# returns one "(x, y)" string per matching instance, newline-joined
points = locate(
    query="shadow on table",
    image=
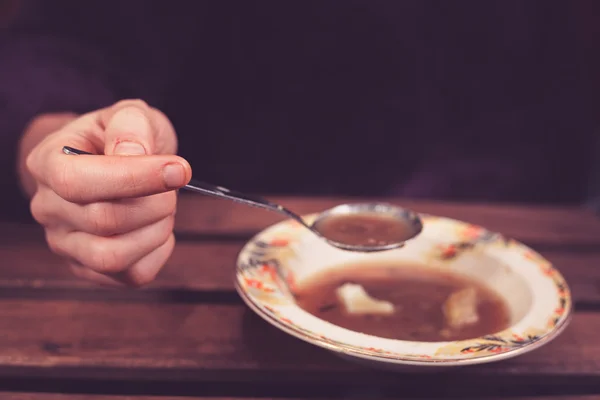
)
(271, 346)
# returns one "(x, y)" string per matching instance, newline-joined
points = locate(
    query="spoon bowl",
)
(407, 223)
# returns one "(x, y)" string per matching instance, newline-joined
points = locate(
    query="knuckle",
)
(171, 202)
(165, 204)
(101, 219)
(166, 229)
(169, 246)
(140, 279)
(31, 163)
(55, 244)
(170, 223)
(38, 209)
(104, 258)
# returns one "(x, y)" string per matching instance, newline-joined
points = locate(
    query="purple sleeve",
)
(43, 72)
(46, 74)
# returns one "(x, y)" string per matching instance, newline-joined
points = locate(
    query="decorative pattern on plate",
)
(491, 344)
(262, 274)
(468, 237)
(564, 294)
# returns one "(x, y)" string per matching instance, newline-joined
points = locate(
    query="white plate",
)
(537, 295)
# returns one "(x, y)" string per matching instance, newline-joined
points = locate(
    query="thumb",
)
(128, 129)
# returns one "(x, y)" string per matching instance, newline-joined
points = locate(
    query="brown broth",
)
(417, 294)
(365, 229)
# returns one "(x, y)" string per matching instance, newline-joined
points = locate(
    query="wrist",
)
(37, 129)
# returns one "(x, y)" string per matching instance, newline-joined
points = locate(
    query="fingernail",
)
(127, 148)
(174, 175)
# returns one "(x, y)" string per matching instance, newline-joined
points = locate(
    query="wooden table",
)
(189, 333)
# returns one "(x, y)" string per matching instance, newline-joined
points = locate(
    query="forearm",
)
(40, 127)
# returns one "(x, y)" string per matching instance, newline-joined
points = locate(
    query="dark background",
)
(490, 101)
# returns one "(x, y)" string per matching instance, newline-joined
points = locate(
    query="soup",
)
(364, 229)
(404, 303)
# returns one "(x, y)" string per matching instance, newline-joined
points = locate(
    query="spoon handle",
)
(222, 192)
(219, 191)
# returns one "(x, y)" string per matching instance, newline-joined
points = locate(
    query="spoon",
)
(362, 227)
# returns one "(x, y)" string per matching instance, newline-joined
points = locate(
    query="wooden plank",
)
(209, 266)
(202, 266)
(227, 343)
(530, 224)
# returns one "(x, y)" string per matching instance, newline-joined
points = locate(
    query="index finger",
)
(93, 178)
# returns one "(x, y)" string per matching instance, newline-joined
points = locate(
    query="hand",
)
(110, 216)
